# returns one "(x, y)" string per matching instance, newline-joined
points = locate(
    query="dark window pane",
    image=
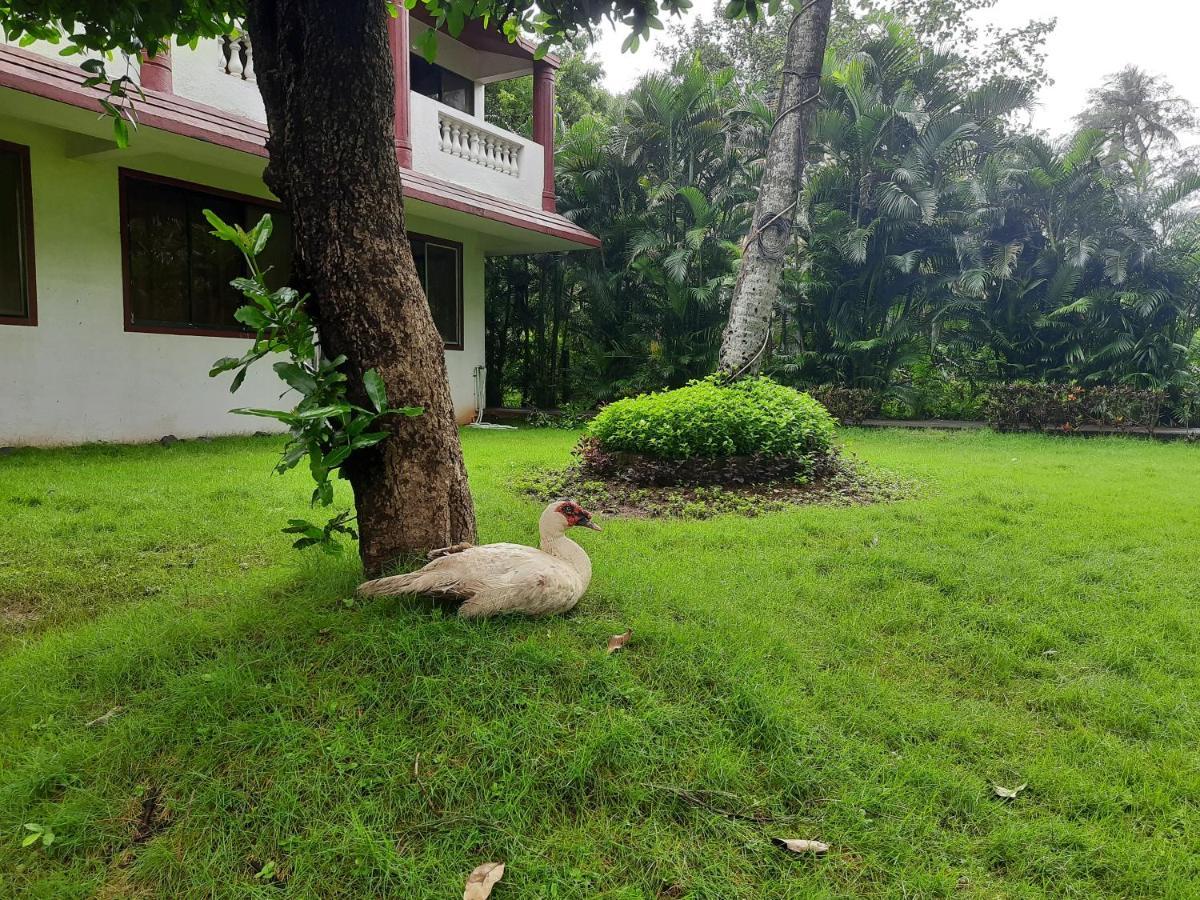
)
(418, 252)
(442, 289)
(458, 92)
(179, 273)
(156, 219)
(424, 77)
(214, 263)
(14, 278)
(431, 80)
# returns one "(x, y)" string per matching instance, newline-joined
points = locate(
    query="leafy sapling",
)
(42, 833)
(324, 426)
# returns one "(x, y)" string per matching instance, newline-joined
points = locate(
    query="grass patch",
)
(862, 675)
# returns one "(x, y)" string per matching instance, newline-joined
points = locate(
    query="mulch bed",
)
(847, 483)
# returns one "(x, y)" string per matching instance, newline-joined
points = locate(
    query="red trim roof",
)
(30, 73)
(475, 36)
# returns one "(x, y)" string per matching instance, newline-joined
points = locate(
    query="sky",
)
(1093, 38)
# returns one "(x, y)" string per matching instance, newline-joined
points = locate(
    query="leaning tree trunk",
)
(325, 74)
(763, 253)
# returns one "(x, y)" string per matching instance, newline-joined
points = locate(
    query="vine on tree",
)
(324, 426)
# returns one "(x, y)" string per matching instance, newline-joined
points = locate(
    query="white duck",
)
(495, 579)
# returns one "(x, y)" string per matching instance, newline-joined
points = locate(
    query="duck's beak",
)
(586, 522)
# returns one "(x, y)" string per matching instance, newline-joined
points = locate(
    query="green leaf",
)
(376, 389)
(261, 233)
(322, 412)
(297, 378)
(336, 458)
(224, 364)
(281, 414)
(293, 454)
(427, 45)
(31, 838)
(222, 230)
(303, 526)
(120, 131)
(323, 494)
(252, 316)
(370, 439)
(250, 286)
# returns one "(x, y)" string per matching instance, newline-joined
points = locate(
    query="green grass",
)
(860, 675)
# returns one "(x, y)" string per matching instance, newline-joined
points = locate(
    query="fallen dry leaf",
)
(482, 880)
(1008, 793)
(617, 641)
(100, 720)
(798, 845)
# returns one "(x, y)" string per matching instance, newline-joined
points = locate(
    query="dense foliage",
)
(665, 177)
(942, 247)
(713, 418)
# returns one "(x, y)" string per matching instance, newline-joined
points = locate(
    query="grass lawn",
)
(859, 675)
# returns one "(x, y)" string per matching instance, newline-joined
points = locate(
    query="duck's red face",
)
(577, 515)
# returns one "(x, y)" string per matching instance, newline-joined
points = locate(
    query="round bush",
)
(713, 419)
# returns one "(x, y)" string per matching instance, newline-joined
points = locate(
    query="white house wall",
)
(197, 75)
(78, 376)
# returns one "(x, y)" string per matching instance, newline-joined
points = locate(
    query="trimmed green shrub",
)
(711, 418)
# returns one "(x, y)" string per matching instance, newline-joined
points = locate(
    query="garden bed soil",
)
(843, 482)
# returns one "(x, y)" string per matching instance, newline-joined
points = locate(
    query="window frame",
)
(441, 92)
(457, 247)
(23, 162)
(124, 176)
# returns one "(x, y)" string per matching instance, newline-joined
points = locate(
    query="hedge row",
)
(1066, 407)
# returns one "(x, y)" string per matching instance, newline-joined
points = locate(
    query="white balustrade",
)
(237, 57)
(468, 141)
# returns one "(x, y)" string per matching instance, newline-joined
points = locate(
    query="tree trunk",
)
(325, 74)
(765, 249)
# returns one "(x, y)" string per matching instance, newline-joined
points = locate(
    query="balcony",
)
(464, 149)
(452, 144)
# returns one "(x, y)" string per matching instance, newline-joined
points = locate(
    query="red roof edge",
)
(30, 73)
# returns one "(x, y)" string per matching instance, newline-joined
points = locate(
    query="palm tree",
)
(898, 149)
(1070, 276)
(667, 184)
(1141, 115)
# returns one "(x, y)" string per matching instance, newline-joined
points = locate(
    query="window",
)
(439, 266)
(431, 80)
(17, 300)
(177, 273)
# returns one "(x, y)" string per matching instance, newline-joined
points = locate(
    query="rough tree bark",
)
(754, 293)
(325, 74)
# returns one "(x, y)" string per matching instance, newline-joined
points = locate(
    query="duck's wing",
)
(489, 560)
(534, 587)
(467, 572)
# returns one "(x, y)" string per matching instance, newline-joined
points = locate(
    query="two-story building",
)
(114, 297)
